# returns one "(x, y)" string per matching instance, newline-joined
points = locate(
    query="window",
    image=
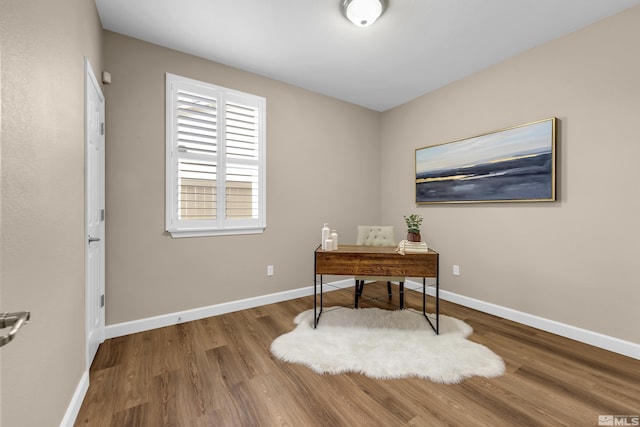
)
(215, 160)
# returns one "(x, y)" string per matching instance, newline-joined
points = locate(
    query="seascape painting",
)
(509, 165)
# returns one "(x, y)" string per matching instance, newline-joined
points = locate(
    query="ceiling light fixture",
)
(363, 12)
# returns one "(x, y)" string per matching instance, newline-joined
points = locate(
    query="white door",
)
(94, 212)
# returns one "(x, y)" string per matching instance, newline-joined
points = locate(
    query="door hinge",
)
(102, 128)
(101, 215)
(102, 301)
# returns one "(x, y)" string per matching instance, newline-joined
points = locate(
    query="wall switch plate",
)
(456, 270)
(269, 270)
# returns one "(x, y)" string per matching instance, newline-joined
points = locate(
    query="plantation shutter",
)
(196, 116)
(242, 159)
(215, 160)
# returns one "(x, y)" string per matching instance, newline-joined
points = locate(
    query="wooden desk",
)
(352, 260)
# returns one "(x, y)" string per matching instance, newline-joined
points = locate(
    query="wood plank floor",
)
(219, 372)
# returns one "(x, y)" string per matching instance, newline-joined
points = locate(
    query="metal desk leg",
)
(424, 297)
(438, 302)
(424, 306)
(316, 313)
(321, 293)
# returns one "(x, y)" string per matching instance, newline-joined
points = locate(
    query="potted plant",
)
(413, 227)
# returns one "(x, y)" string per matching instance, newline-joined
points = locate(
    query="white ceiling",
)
(416, 47)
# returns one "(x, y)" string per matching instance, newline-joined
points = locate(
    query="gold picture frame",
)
(515, 164)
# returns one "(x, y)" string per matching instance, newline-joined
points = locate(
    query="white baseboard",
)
(76, 401)
(134, 326)
(596, 339)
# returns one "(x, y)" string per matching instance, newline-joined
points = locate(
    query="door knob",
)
(93, 239)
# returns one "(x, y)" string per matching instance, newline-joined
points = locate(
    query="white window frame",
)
(221, 225)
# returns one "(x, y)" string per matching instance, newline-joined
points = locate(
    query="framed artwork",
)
(516, 164)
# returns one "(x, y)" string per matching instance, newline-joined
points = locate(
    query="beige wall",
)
(563, 261)
(574, 261)
(1, 306)
(42, 201)
(323, 158)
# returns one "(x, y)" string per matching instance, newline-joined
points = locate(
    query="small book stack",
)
(407, 247)
(415, 247)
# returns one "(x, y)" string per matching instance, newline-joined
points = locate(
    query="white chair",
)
(377, 235)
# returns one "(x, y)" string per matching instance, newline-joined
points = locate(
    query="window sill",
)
(176, 234)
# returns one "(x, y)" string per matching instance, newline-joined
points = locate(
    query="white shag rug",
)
(386, 344)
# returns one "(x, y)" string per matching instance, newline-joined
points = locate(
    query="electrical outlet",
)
(456, 270)
(269, 270)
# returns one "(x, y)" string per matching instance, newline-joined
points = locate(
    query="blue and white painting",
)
(514, 164)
